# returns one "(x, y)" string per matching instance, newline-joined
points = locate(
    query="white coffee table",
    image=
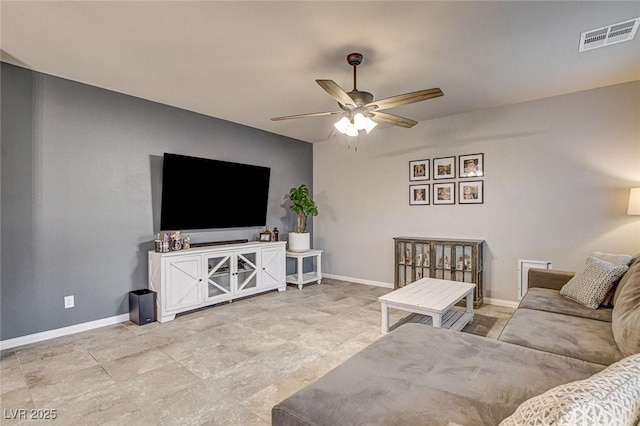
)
(433, 297)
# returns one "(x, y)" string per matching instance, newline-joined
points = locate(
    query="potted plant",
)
(303, 206)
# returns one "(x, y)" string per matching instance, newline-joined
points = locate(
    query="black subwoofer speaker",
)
(142, 306)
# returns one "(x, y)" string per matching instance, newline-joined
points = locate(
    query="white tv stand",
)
(189, 279)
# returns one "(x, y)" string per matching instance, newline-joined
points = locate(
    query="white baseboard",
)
(487, 300)
(59, 332)
(501, 302)
(358, 280)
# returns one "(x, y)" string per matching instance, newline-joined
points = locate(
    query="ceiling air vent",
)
(612, 34)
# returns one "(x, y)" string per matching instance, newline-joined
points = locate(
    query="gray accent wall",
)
(557, 178)
(81, 175)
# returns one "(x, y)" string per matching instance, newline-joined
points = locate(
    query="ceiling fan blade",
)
(393, 119)
(336, 92)
(407, 98)
(311, 114)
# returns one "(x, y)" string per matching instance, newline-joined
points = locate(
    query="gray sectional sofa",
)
(420, 375)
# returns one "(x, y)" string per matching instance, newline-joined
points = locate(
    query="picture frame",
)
(471, 165)
(444, 193)
(444, 168)
(265, 236)
(419, 195)
(471, 192)
(419, 170)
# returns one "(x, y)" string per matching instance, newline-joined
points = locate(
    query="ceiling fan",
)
(358, 109)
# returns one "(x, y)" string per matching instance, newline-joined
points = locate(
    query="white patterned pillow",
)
(617, 259)
(610, 397)
(590, 287)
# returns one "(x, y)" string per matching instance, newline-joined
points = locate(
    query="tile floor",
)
(225, 365)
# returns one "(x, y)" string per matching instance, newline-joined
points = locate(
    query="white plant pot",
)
(299, 241)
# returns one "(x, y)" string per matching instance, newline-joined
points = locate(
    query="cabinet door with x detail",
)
(183, 278)
(219, 276)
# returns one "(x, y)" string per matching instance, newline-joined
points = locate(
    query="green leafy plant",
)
(302, 205)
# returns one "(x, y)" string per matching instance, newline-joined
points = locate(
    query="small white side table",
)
(299, 277)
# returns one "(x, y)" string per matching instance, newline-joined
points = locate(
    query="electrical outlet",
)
(69, 302)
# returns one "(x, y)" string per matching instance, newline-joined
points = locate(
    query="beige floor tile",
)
(207, 362)
(154, 385)
(129, 366)
(237, 415)
(61, 390)
(15, 400)
(46, 370)
(45, 350)
(117, 349)
(97, 407)
(12, 379)
(8, 360)
(262, 401)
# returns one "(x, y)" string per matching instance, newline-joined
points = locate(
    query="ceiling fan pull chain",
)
(353, 139)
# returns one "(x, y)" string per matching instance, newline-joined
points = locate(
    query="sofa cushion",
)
(616, 259)
(590, 286)
(545, 299)
(635, 263)
(610, 397)
(567, 335)
(626, 314)
(418, 374)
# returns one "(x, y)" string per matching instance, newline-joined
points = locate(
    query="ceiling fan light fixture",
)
(342, 125)
(357, 106)
(370, 125)
(363, 122)
(360, 121)
(351, 131)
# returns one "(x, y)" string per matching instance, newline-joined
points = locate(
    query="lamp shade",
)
(634, 202)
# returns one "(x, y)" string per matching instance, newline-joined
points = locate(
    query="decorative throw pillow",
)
(607, 302)
(590, 286)
(625, 278)
(625, 318)
(616, 259)
(610, 397)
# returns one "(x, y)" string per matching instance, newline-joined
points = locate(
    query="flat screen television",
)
(201, 193)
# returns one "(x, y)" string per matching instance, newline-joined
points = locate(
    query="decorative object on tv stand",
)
(634, 202)
(173, 241)
(265, 235)
(303, 206)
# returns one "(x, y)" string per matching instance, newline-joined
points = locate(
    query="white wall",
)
(557, 179)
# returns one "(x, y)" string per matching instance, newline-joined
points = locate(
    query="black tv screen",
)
(201, 193)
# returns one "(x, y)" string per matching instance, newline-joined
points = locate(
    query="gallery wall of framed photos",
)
(456, 180)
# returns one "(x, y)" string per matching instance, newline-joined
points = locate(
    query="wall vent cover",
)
(611, 34)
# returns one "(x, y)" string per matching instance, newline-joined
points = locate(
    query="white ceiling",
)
(249, 61)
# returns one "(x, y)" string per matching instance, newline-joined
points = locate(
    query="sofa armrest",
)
(549, 278)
